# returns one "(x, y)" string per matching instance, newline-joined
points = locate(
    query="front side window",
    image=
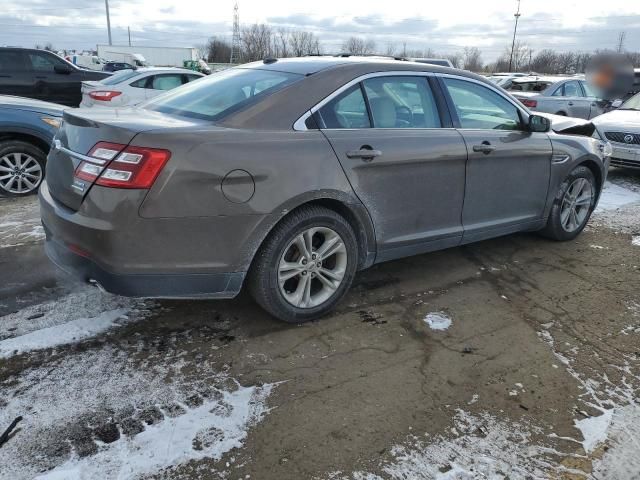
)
(401, 102)
(589, 91)
(479, 107)
(42, 62)
(347, 110)
(222, 93)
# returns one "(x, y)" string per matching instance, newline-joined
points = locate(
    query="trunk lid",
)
(81, 130)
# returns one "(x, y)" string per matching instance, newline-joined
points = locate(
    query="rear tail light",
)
(529, 103)
(119, 166)
(104, 95)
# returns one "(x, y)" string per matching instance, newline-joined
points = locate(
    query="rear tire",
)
(305, 266)
(572, 206)
(21, 168)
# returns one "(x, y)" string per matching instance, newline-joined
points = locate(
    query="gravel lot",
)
(512, 358)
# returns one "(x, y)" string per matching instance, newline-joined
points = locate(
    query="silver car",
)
(622, 128)
(572, 97)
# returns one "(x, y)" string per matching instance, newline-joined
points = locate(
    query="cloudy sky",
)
(446, 26)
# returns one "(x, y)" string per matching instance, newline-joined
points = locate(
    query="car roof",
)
(540, 78)
(313, 64)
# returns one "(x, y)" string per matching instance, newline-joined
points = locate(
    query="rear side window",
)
(11, 61)
(222, 93)
(401, 102)
(347, 110)
(166, 82)
(142, 83)
(479, 107)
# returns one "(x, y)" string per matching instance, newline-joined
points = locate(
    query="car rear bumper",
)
(140, 258)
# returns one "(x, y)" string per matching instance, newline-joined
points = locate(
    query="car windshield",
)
(121, 76)
(632, 104)
(221, 93)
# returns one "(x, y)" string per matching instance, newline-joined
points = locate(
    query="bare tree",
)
(359, 46)
(390, 50)
(217, 51)
(472, 59)
(256, 42)
(456, 59)
(303, 43)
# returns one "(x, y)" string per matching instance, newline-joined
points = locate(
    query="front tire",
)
(305, 266)
(21, 168)
(572, 206)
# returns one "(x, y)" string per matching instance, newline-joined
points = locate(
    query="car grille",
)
(619, 137)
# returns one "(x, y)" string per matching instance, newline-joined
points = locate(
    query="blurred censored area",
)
(611, 74)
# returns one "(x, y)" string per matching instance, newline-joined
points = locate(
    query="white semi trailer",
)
(157, 56)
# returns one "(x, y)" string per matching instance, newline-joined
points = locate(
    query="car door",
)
(577, 104)
(408, 170)
(54, 80)
(508, 167)
(597, 106)
(15, 77)
(161, 83)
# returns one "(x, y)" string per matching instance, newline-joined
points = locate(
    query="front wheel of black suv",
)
(305, 266)
(572, 206)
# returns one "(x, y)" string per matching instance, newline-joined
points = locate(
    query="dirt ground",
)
(514, 358)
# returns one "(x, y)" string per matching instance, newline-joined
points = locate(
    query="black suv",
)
(117, 66)
(43, 75)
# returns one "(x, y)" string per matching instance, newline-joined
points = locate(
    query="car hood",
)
(620, 120)
(31, 105)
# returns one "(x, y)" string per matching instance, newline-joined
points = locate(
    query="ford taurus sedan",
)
(291, 175)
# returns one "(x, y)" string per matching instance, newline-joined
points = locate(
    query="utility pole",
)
(235, 38)
(106, 5)
(515, 29)
(621, 38)
(129, 33)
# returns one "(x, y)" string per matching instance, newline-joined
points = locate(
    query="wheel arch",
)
(28, 137)
(597, 173)
(343, 204)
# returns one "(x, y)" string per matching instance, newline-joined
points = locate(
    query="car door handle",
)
(364, 153)
(570, 104)
(485, 148)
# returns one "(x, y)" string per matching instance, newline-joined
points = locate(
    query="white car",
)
(622, 128)
(131, 87)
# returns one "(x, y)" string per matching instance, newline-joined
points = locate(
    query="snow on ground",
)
(102, 414)
(480, 446)
(619, 207)
(20, 222)
(206, 431)
(437, 320)
(72, 318)
(615, 196)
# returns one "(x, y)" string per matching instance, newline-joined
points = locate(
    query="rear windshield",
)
(118, 77)
(529, 86)
(222, 93)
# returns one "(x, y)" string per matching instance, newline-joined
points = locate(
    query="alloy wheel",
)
(312, 267)
(19, 173)
(576, 204)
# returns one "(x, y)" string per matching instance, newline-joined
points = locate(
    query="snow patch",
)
(69, 319)
(635, 240)
(437, 321)
(73, 331)
(207, 431)
(594, 430)
(20, 222)
(483, 446)
(615, 196)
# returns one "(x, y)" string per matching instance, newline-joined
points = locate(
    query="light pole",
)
(515, 29)
(106, 5)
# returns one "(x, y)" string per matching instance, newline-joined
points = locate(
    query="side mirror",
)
(62, 69)
(538, 123)
(616, 103)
